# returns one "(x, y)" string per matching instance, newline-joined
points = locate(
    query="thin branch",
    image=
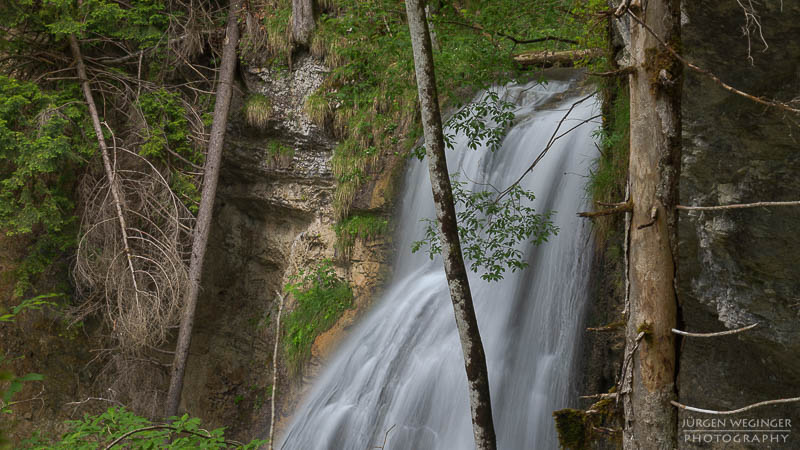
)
(714, 78)
(720, 333)
(166, 427)
(513, 39)
(735, 411)
(737, 206)
(386, 436)
(613, 73)
(87, 92)
(601, 396)
(550, 143)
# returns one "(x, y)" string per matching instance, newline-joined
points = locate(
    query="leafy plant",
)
(490, 227)
(359, 226)
(118, 426)
(321, 298)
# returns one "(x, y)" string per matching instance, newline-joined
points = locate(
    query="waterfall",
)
(402, 367)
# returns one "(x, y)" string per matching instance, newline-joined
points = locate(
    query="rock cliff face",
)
(740, 267)
(273, 216)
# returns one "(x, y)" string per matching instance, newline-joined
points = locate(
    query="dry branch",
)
(735, 411)
(737, 206)
(720, 333)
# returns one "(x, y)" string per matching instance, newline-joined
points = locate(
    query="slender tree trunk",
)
(655, 89)
(303, 21)
(456, 272)
(203, 226)
(110, 174)
(275, 373)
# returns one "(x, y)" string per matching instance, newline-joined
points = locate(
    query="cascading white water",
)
(402, 367)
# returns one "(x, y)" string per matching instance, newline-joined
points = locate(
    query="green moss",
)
(572, 427)
(647, 329)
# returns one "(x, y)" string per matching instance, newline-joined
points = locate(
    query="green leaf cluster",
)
(490, 227)
(321, 297)
(135, 432)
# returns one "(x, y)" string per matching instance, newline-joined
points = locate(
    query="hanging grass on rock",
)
(257, 110)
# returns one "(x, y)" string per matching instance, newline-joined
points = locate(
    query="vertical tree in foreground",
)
(655, 147)
(455, 270)
(203, 225)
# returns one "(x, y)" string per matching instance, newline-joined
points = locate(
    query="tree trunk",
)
(655, 147)
(303, 21)
(101, 141)
(201, 231)
(456, 272)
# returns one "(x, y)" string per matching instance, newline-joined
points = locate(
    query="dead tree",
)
(304, 17)
(203, 226)
(655, 147)
(455, 270)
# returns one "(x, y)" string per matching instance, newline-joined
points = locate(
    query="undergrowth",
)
(321, 297)
(359, 226)
(608, 176)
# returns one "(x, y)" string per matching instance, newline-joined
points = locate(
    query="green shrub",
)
(321, 298)
(127, 430)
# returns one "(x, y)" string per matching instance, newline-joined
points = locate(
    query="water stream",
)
(402, 366)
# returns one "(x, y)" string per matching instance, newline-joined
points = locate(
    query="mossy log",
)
(547, 58)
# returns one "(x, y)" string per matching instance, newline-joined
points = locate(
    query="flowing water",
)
(402, 367)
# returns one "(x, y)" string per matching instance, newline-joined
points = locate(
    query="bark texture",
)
(455, 270)
(303, 21)
(655, 88)
(203, 226)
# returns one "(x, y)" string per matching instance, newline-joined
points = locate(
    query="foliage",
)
(609, 173)
(321, 297)
(37, 302)
(490, 226)
(122, 427)
(369, 100)
(607, 178)
(15, 383)
(359, 226)
(41, 138)
(276, 148)
(572, 426)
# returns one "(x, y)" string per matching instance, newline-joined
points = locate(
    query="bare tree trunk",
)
(201, 231)
(460, 295)
(303, 21)
(655, 88)
(98, 131)
(275, 373)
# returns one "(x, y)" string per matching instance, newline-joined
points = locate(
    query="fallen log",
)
(548, 58)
